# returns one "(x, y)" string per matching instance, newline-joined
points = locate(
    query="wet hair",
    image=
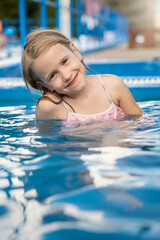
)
(37, 43)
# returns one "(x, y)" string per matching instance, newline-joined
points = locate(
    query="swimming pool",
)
(99, 182)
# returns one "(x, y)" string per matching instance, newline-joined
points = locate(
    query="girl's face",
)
(62, 68)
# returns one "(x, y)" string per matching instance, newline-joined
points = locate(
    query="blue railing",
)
(91, 24)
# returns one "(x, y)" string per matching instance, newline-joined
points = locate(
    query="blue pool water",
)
(128, 68)
(99, 182)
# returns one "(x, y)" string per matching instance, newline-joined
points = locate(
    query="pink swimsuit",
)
(112, 113)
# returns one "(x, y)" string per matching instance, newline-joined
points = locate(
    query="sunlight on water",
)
(94, 182)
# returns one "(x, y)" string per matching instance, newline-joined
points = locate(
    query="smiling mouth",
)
(73, 81)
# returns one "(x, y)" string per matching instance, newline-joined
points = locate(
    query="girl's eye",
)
(52, 75)
(65, 60)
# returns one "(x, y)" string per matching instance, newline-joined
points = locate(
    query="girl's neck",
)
(83, 93)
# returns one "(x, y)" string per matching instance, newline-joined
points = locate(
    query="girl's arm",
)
(121, 95)
(45, 110)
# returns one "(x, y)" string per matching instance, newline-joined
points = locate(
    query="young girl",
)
(53, 65)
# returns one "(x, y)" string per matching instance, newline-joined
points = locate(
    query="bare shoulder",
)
(115, 86)
(45, 109)
(113, 80)
(121, 95)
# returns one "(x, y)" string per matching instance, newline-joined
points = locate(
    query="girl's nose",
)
(66, 75)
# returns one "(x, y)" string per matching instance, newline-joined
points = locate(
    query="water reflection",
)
(95, 182)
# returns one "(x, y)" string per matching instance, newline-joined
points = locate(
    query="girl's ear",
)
(75, 51)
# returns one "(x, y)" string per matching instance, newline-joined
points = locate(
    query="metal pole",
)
(57, 15)
(99, 20)
(71, 18)
(86, 18)
(43, 13)
(78, 17)
(22, 20)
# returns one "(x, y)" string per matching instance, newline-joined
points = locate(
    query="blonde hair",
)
(38, 42)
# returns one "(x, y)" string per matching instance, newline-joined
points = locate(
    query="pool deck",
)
(122, 52)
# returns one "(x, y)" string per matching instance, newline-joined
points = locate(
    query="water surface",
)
(94, 182)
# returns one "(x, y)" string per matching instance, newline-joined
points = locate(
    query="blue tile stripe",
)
(135, 81)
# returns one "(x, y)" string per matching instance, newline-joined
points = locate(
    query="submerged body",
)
(112, 111)
(69, 94)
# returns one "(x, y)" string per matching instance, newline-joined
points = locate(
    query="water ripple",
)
(94, 182)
